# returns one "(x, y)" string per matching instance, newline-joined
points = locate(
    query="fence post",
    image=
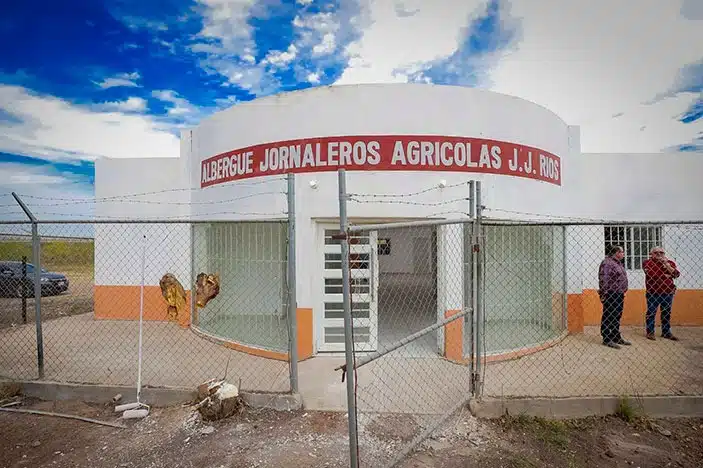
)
(565, 280)
(292, 285)
(478, 284)
(348, 323)
(468, 282)
(24, 289)
(36, 260)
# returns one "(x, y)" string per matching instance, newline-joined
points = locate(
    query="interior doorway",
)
(407, 288)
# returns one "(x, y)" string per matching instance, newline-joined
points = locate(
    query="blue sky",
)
(85, 79)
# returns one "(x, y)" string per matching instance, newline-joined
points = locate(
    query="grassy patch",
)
(520, 461)
(55, 254)
(9, 390)
(551, 432)
(627, 410)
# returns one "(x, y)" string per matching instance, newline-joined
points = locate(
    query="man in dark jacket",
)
(612, 286)
(659, 274)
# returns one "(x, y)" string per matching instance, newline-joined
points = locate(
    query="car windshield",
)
(30, 269)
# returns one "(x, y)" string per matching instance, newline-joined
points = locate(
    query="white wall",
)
(377, 110)
(612, 188)
(635, 187)
(402, 258)
(118, 247)
(683, 244)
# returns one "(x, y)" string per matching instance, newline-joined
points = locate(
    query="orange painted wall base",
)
(453, 338)
(122, 303)
(454, 344)
(585, 309)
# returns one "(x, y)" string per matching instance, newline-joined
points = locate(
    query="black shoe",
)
(623, 342)
(650, 336)
(611, 344)
(670, 337)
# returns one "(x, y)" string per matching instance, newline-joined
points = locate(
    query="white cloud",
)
(56, 129)
(304, 2)
(395, 41)
(180, 106)
(43, 189)
(313, 78)
(132, 104)
(226, 21)
(120, 80)
(279, 58)
(645, 128)
(588, 61)
(327, 46)
(228, 48)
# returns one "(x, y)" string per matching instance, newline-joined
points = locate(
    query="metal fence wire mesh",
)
(410, 371)
(434, 311)
(547, 309)
(17, 302)
(629, 323)
(91, 298)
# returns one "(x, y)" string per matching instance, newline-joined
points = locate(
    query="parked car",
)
(13, 283)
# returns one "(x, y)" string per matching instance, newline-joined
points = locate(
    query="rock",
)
(207, 430)
(36, 443)
(222, 400)
(661, 430)
(242, 427)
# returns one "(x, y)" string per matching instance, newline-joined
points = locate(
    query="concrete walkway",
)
(82, 350)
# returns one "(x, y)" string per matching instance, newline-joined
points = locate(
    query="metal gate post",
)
(348, 323)
(36, 260)
(468, 279)
(292, 285)
(478, 253)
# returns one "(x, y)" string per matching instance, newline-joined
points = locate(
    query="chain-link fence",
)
(17, 301)
(213, 297)
(409, 318)
(407, 288)
(545, 309)
(630, 322)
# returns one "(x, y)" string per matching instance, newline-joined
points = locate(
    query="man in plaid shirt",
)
(612, 286)
(659, 274)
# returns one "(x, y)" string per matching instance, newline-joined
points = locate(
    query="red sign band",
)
(382, 153)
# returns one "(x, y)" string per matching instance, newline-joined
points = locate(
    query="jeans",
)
(613, 304)
(654, 301)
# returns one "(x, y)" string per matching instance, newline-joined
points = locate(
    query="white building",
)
(395, 139)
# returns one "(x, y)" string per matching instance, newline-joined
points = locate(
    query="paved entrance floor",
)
(578, 366)
(581, 366)
(82, 350)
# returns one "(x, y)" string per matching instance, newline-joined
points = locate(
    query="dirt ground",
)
(77, 300)
(176, 437)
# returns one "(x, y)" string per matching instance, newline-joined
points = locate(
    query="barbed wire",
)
(575, 219)
(410, 194)
(67, 217)
(403, 202)
(156, 192)
(152, 202)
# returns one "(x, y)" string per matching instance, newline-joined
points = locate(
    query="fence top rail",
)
(600, 222)
(149, 221)
(407, 224)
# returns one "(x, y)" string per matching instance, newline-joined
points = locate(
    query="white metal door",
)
(363, 262)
